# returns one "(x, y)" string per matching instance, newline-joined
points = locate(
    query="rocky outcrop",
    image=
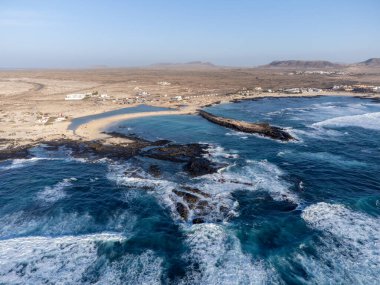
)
(191, 154)
(263, 129)
(194, 205)
(154, 170)
(201, 166)
(176, 152)
(372, 62)
(302, 64)
(15, 152)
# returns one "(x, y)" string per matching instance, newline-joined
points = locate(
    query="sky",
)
(118, 33)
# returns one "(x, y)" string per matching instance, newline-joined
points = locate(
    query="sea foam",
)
(349, 250)
(52, 194)
(220, 260)
(367, 121)
(39, 260)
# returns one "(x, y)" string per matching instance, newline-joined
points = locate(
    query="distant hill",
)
(302, 64)
(372, 62)
(187, 65)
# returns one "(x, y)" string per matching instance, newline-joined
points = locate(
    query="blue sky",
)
(85, 33)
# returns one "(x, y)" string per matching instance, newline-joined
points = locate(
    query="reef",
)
(190, 155)
(263, 129)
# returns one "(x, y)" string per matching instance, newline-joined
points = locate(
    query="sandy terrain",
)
(32, 105)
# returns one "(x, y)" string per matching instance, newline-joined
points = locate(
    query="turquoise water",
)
(75, 123)
(304, 212)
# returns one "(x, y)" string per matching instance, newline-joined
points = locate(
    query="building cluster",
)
(319, 72)
(77, 96)
(359, 88)
(129, 101)
(201, 96)
(139, 98)
(292, 90)
(176, 98)
(82, 96)
(142, 93)
(142, 96)
(164, 83)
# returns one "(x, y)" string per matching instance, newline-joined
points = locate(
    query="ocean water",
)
(75, 123)
(303, 212)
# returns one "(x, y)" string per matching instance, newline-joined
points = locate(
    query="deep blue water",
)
(305, 212)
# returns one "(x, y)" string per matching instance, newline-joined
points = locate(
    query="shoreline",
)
(94, 129)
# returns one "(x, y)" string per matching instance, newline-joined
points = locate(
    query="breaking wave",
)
(367, 121)
(22, 223)
(39, 260)
(19, 163)
(215, 189)
(57, 192)
(349, 250)
(218, 259)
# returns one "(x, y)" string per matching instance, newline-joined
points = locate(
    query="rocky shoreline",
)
(263, 129)
(192, 155)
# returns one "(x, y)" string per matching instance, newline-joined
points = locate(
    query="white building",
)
(293, 91)
(164, 83)
(177, 98)
(143, 93)
(76, 96)
(104, 96)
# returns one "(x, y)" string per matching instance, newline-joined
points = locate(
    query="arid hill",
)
(372, 62)
(302, 64)
(192, 65)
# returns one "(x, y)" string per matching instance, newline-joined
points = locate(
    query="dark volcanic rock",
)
(176, 152)
(154, 170)
(201, 166)
(256, 128)
(196, 191)
(160, 143)
(182, 211)
(198, 221)
(13, 153)
(191, 154)
(189, 198)
(196, 201)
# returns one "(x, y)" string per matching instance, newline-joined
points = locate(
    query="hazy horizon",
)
(69, 34)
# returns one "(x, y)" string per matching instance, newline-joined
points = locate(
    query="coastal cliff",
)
(263, 129)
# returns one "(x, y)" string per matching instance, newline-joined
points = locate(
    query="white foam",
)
(316, 133)
(255, 176)
(325, 157)
(60, 260)
(216, 152)
(283, 153)
(145, 268)
(350, 247)
(56, 192)
(367, 121)
(22, 162)
(21, 223)
(241, 135)
(161, 189)
(220, 260)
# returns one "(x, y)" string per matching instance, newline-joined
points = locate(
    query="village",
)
(54, 98)
(144, 97)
